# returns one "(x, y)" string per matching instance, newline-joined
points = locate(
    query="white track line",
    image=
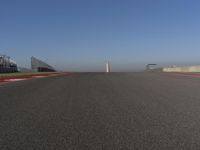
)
(38, 76)
(13, 80)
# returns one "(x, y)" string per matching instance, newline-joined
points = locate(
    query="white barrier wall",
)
(182, 69)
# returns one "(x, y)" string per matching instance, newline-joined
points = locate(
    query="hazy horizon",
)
(83, 35)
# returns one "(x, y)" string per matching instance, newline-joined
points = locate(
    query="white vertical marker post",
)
(107, 67)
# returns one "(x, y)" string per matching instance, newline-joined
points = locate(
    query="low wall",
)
(182, 69)
(8, 70)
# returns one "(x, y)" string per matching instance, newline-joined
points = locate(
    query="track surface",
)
(97, 111)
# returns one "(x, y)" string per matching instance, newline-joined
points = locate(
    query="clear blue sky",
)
(80, 35)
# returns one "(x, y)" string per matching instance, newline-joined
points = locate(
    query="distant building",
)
(182, 69)
(150, 67)
(40, 66)
(7, 65)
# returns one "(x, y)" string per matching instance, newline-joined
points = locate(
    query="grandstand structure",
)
(40, 66)
(7, 65)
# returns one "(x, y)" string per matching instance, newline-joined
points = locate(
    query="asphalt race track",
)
(99, 111)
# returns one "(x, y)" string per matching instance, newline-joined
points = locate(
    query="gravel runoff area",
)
(99, 111)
